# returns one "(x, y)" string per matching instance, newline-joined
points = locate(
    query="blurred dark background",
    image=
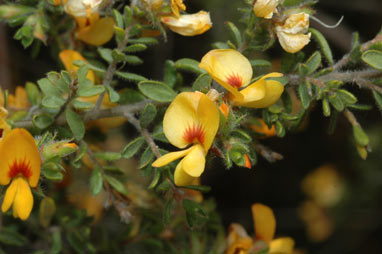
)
(356, 219)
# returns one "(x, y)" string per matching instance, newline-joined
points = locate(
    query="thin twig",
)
(368, 84)
(267, 153)
(351, 117)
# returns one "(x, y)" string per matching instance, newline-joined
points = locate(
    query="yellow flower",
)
(4, 126)
(18, 101)
(188, 24)
(291, 33)
(20, 164)
(232, 70)
(262, 128)
(176, 6)
(265, 8)
(91, 29)
(265, 226)
(191, 119)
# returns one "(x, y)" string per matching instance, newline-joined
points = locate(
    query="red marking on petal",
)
(235, 80)
(247, 161)
(20, 167)
(1, 133)
(194, 133)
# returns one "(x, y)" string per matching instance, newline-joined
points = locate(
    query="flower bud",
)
(60, 148)
(265, 8)
(189, 24)
(291, 34)
(82, 8)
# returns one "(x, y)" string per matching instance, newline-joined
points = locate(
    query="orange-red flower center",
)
(21, 167)
(194, 133)
(1, 133)
(235, 80)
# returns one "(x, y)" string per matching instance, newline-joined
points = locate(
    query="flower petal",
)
(229, 68)
(19, 146)
(68, 56)
(265, 222)
(9, 196)
(188, 24)
(293, 43)
(253, 92)
(195, 161)
(23, 202)
(170, 157)
(181, 178)
(98, 33)
(265, 8)
(282, 245)
(273, 91)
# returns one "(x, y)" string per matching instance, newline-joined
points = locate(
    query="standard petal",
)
(265, 222)
(208, 115)
(229, 68)
(195, 161)
(98, 33)
(23, 202)
(18, 146)
(265, 8)
(180, 115)
(188, 24)
(68, 56)
(9, 196)
(293, 43)
(282, 245)
(170, 157)
(181, 178)
(274, 89)
(254, 92)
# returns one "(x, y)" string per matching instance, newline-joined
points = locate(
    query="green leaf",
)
(108, 156)
(288, 62)
(116, 184)
(135, 48)
(113, 95)
(56, 243)
(52, 101)
(146, 158)
(313, 62)
(234, 32)
(169, 73)
(130, 76)
(10, 237)
(378, 100)
(90, 91)
(190, 65)
(47, 88)
(195, 214)
(128, 15)
(355, 52)
(360, 136)
(148, 115)
(304, 95)
(82, 104)
(133, 60)
(129, 96)
(132, 148)
(155, 180)
(258, 63)
(52, 171)
(202, 83)
(220, 45)
(201, 188)
(373, 58)
(75, 123)
(42, 121)
(96, 181)
(118, 18)
(33, 93)
(82, 73)
(77, 242)
(167, 211)
(241, 136)
(157, 91)
(106, 54)
(144, 40)
(280, 129)
(346, 96)
(325, 107)
(336, 102)
(323, 44)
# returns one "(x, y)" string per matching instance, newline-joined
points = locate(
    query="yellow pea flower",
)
(265, 227)
(92, 29)
(17, 101)
(191, 119)
(176, 6)
(265, 8)
(20, 165)
(232, 70)
(4, 126)
(291, 33)
(188, 24)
